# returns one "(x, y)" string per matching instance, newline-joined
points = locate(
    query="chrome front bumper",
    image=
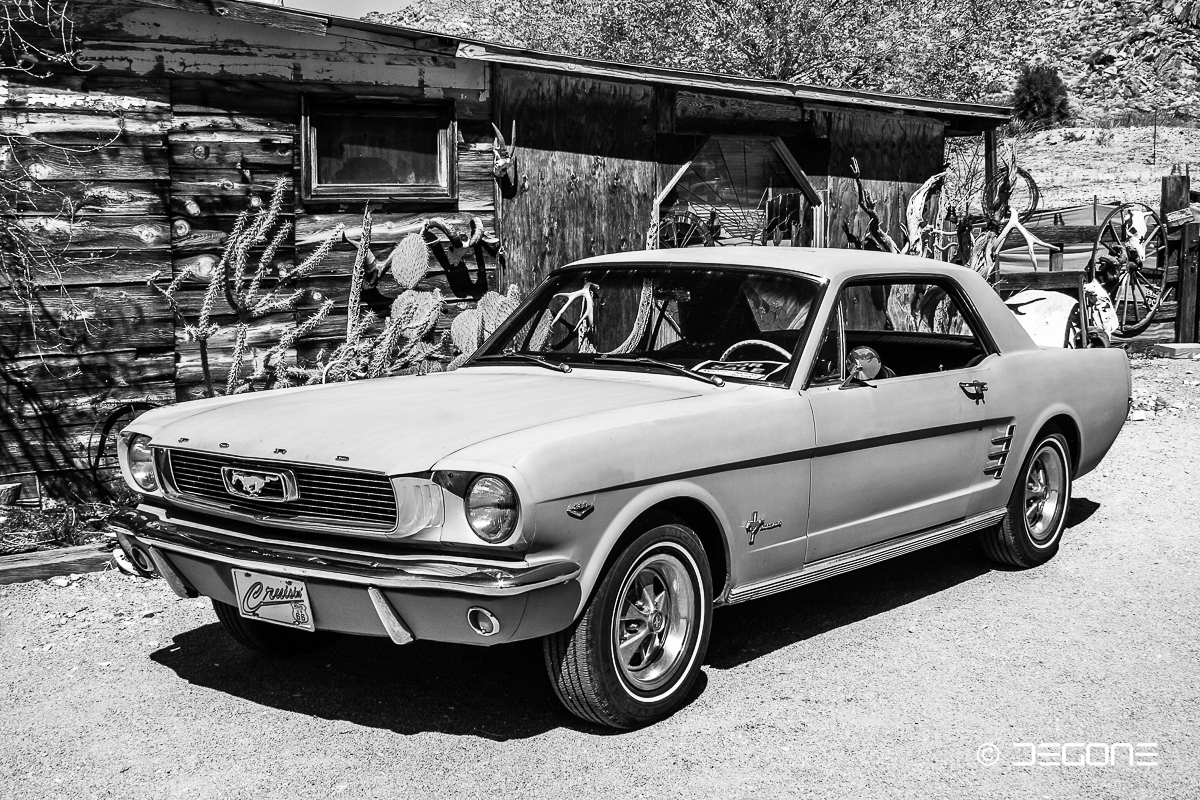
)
(153, 527)
(165, 535)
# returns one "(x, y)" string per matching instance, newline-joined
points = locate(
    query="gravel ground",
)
(883, 683)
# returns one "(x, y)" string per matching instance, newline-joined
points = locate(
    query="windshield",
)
(725, 323)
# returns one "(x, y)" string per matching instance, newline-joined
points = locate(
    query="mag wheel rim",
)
(1045, 494)
(656, 612)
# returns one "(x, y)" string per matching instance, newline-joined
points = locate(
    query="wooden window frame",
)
(444, 191)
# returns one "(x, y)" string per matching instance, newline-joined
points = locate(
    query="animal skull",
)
(504, 154)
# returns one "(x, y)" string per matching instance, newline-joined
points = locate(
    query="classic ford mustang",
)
(649, 436)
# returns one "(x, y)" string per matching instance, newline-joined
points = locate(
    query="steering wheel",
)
(748, 342)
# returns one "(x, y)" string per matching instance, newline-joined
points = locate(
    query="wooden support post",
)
(1056, 260)
(1175, 190)
(989, 157)
(1186, 328)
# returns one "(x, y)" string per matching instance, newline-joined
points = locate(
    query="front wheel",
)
(1030, 532)
(635, 652)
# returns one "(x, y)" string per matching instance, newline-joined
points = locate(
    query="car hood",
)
(404, 424)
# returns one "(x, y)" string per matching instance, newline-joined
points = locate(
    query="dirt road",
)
(890, 682)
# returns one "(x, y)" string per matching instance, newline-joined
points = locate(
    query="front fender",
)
(594, 542)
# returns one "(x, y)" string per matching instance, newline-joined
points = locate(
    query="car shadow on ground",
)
(502, 692)
(498, 692)
(1080, 510)
(746, 631)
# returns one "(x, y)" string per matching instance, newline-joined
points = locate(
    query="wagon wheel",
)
(682, 229)
(1003, 192)
(1130, 260)
(102, 447)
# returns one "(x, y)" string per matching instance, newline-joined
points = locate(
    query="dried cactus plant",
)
(403, 343)
(241, 287)
(404, 346)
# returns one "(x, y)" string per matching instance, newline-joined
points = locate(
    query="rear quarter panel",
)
(1030, 388)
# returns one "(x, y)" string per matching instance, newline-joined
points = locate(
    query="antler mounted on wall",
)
(452, 253)
(504, 161)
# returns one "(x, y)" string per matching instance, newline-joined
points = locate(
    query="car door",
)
(891, 450)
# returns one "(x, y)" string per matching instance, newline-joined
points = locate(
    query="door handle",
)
(974, 389)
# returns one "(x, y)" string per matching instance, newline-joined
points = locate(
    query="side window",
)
(894, 328)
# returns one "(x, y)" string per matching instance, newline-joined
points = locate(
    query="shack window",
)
(378, 151)
(737, 190)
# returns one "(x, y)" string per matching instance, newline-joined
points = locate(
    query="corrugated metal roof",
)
(732, 84)
(964, 116)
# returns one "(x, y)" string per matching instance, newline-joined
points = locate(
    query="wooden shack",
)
(188, 111)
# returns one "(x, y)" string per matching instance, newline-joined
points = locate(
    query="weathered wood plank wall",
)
(87, 159)
(586, 172)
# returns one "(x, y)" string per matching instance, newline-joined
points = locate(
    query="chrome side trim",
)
(395, 627)
(178, 585)
(836, 565)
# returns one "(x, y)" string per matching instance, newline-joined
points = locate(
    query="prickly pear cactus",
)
(409, 261)
(473, 326)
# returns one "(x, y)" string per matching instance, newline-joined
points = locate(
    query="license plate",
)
(283, 601)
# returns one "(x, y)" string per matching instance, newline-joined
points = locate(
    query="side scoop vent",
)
(998, 455)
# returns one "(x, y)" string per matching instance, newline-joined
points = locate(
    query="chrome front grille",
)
(344, 498)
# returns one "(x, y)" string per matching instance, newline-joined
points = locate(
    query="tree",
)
(1040, 96)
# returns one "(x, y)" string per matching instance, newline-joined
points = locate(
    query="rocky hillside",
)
(1117, 57)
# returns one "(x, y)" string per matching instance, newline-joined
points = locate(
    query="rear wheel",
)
(635, 652)
(1030, 532)
(263, 637)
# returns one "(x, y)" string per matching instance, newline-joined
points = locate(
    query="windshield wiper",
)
(654, 362)
(541, 361)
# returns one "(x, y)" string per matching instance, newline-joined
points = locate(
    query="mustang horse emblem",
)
(253, 483)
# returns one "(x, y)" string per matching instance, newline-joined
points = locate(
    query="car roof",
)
(815, 262)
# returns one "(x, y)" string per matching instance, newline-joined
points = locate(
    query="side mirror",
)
(855, 379)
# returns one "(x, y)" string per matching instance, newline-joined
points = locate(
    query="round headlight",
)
(141, 463)
(492, 508)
